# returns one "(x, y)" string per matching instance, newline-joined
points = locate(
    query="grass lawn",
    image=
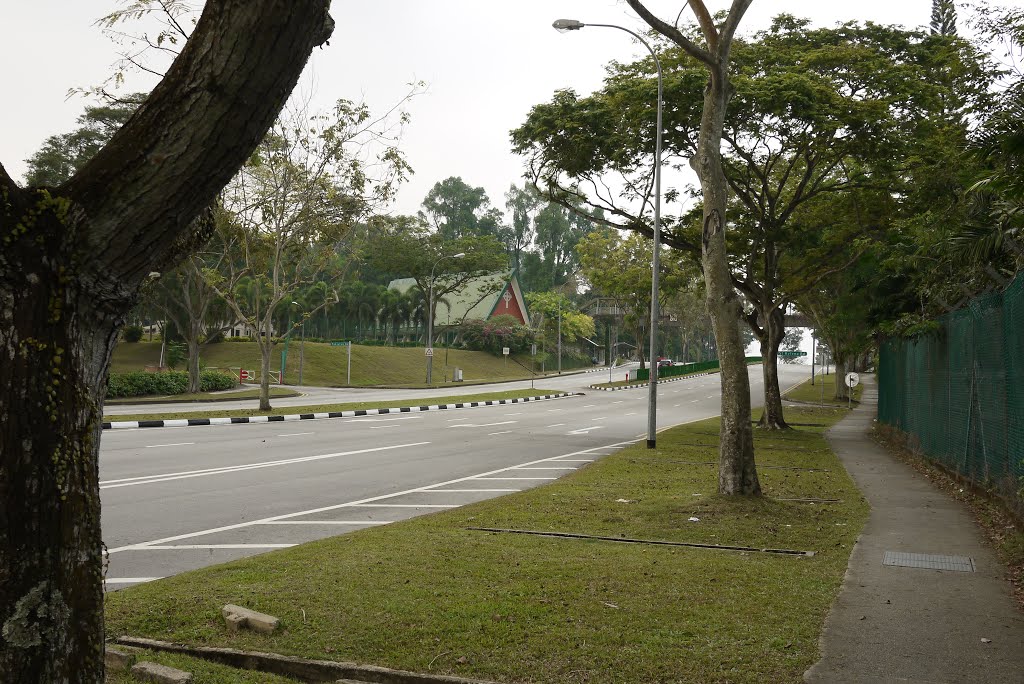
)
(326, 366)
(812, 394)
(430, 595)
(350, 406)
(275, 392)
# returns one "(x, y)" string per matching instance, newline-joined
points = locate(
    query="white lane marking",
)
(503, 432)
(590, 406)
(676, 405)
(711, 396)
(192, 547)
(514, 414)
(384, 427)
(617, 402)
(601, 418)
(695, 401)
(553, 410)
(129, 580)
(296, 434)
(557, 425)
(631, 414)
(504, 422)
(427, 489)
(405, 505)
(542, 468)
(157, 446)
(150, 479)
(384, 420)
(328, 522)
(517, 478)
(583, 431)
(463, 491)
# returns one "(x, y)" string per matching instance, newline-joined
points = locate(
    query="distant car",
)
(662, 363)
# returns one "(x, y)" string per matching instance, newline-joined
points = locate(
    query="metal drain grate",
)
(928, 562)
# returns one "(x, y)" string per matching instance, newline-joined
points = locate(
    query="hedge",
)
(139, 383)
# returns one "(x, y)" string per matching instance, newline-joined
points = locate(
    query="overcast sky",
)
(485, 65)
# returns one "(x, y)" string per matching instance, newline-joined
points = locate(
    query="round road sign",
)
(852, 379)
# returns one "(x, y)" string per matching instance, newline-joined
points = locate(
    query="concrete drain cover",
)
(928, 562)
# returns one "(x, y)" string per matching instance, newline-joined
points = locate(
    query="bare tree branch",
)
(674, 34)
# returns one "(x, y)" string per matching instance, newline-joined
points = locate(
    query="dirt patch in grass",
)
(350, 406)
(430, 595)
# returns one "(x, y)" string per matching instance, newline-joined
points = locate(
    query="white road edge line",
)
(157, 446)
(328, 522)
(428, 488)
(129, 580)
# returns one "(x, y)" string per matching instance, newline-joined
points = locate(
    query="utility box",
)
(457, 375)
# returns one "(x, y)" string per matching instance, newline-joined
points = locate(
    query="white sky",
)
(485, 64)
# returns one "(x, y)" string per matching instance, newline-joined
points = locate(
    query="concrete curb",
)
(226, 420)
(301, 668)
(647, 384)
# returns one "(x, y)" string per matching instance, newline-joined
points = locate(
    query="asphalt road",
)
(175, 499)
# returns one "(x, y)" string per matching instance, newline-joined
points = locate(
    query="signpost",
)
(505, 351)
(852, 380)
(346, 343)
(791, 354)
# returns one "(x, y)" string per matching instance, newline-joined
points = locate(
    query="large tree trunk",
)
(842, 391)
(771, 339)
(56, 338)
(737, 473)
(72, 260)
(266, 347)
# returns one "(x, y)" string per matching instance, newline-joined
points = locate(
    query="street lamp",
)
(564, 25)
(430, 314)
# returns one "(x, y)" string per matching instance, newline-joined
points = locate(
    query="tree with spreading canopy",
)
(73, 260)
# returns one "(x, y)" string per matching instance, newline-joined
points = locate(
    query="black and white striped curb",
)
(647, 384)
(197, 422)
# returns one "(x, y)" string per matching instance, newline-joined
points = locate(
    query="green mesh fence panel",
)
(958, 391)
(644, 374)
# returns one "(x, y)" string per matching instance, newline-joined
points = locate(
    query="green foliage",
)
(138, 384)
(493, 334)
(176, 353)
(132, 333)
(943, 17)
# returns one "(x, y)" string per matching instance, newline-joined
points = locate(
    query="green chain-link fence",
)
(959, 391)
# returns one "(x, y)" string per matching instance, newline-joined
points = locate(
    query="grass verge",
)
(429, 595)
(824, 386)
(275, 393)
(350, 406)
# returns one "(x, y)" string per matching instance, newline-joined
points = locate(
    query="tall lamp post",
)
(430, 315)
(652, 400)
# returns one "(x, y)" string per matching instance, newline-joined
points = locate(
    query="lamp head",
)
(563, 25)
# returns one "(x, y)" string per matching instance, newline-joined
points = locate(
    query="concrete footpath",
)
(898, 618)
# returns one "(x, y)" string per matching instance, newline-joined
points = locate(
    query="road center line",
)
(557, 425)
(504, 422)
(502, 432)
(296, 434)
(157, 446)
(151, 479)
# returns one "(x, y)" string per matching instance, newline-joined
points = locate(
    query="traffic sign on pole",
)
(430, 351)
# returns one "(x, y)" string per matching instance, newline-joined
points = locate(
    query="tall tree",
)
(943, 17)
(522, 204)
(455, 210)
(73, 260)
(289, 210)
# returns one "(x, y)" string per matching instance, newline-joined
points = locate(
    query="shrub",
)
(140, 384)
(492, 335)
(133, 333)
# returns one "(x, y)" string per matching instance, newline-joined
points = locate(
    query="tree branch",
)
(193, 132)
(674, 34)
